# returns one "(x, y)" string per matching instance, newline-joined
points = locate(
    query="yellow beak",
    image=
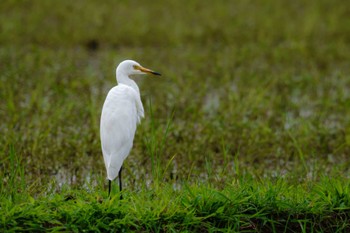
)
(145, 70)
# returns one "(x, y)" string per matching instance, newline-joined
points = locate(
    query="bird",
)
(122, 111)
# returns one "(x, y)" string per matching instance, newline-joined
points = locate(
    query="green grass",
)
(247, 129)
(245, 205)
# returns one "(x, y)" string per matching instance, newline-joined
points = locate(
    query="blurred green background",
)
(257, 88)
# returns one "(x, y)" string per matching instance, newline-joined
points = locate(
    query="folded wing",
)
(120, 115)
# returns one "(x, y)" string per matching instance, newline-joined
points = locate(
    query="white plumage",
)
(120, 115)
(121, 112)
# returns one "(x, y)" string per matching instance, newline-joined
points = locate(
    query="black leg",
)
(109, 188)
(120, 183)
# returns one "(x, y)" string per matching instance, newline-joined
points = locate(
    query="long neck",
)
(123, 78)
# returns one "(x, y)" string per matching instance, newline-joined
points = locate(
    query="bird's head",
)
(130, 67)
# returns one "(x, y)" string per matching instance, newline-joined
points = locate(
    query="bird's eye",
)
(137, 67)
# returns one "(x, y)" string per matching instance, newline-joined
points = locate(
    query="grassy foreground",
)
(245, 205)
(248, 129)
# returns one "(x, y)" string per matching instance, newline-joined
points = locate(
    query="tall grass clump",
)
(155, 143)
(12, 174)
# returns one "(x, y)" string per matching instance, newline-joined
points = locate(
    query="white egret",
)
(121, 112)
